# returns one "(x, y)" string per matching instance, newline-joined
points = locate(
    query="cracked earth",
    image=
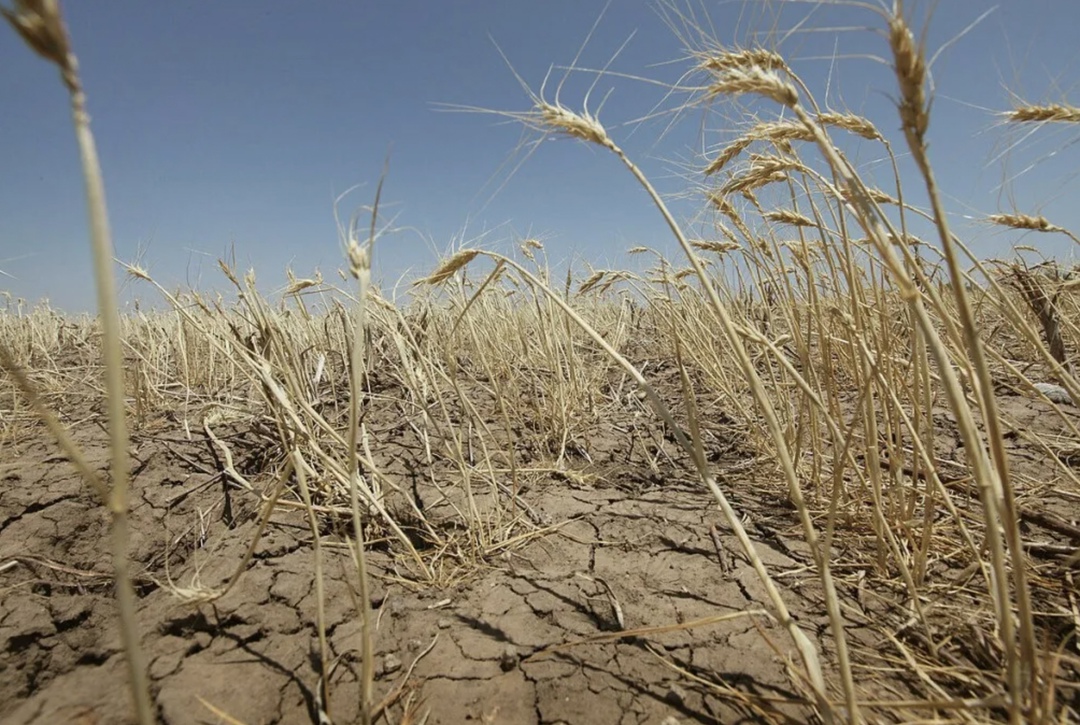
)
(530, 637)
(562, 626)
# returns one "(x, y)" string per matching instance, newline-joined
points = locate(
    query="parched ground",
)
(475, 645)
(624, 549)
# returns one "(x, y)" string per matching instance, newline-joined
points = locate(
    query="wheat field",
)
(813, 468)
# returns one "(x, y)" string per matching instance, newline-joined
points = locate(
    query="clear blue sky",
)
(236, 123)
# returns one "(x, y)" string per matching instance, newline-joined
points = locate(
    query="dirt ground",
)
(625, 549)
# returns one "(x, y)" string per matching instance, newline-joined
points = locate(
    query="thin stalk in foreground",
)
(360, 266)
(40, 25)
(911, 76)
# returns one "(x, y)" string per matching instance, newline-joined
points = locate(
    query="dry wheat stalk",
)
(764, 169)
(779, 131)
(910, 68)
(715, 246)
(753, 79)
(724, 61)
(594, 279)
(850, 122)
(1051, 113)
(880, 197)
(449, 267)
(991, 471)
(40, 25)
(732, 150)
(787, 216)
(582, 126)
(1024, 221)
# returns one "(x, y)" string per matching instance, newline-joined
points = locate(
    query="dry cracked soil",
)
(535, 633)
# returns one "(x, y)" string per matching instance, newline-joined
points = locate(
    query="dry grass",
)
(849, 353)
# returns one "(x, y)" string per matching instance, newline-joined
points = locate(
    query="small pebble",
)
(391, 664)
(1055, 393)
(508, 660)
(443, 623)
(675, 695)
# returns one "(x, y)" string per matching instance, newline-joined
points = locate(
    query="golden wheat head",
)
(1050, 113)
(449, 267)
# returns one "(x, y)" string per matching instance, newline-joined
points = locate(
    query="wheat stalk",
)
(40, 25)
